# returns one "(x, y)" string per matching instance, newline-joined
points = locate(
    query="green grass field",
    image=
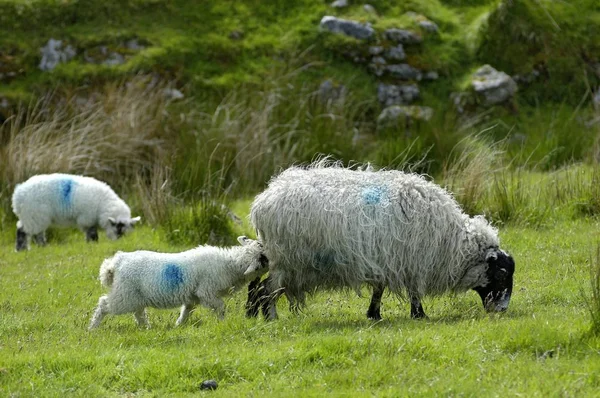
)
(540, 347)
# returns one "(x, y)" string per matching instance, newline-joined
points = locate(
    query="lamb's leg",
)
(91, 234)
(374, 311)
(255, 290)
(416, 309)
(142, 318)
(101, 310)
(184, 314)
(22, 240)
(40, 239)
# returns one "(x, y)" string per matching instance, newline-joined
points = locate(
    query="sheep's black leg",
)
(416, 309)
(91, 234)
(255, 288)
(374, 311)
(40, 239)
(21, 240)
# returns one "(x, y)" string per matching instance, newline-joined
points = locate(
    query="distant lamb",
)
(325, 226)
(68, 200)
(166, 280)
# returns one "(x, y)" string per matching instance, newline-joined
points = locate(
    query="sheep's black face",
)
(495, 295)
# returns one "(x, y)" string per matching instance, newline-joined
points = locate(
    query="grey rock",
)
(134, 45)
(376, 50)
(339, 4)
(492, 86)
(396, 53)
(402, 36)
(431, 75)
(390, 94)
(370, 9)
(347, 27)
(53, 54)
(378, 61)
(114, 59)
(404, 72)
(397, 113)
(209, 385)
(429, 26)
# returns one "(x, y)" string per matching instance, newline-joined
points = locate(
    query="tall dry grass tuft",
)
(471, 168)
(114, 135)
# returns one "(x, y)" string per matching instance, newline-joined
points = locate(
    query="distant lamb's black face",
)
(495, 295)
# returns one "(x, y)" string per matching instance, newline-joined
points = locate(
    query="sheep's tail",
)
(107, 271)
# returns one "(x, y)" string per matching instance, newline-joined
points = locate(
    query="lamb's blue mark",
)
(373, 195)
(172, 275)
(66, 192)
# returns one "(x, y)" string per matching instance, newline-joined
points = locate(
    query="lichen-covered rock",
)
(428, 26)
(390, 94)
(397, 113)
(402, 36)
(347, 27)
(53, 54)
(376, 50)
(492, 86)
(431, 75)
(396, 53)
(404, 72)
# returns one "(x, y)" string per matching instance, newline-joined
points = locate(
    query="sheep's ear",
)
(135, 220)
(243, 240)
(112, 221)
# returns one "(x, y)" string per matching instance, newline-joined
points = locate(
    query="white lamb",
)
(68, 200)
(166, 280)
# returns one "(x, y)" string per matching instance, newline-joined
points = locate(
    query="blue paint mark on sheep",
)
(172, 276)
(66, 192)
(374, 195)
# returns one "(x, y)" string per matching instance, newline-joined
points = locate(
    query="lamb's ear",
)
(244, 240)
(112, 221)
(135, 220)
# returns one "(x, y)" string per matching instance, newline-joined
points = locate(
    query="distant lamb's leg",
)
(416, 309)
(142, 318)
(22, 240)
(91, 234)
(101, 310)
(40, 239)
(255, 288)
(374, 311)
(184, 314)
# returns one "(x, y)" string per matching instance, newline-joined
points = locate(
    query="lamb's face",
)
(495, 294)
(118, 228)
(258, 262)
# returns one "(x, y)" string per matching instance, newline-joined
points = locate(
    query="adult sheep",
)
(325, 226)
(166, 280)
(68, 200)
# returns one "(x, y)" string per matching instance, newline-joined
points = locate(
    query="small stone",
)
(376, 50)
(396, 53)
(429, 26)
(339, 4)
(209, 385)
(347, 27)
(370, 9)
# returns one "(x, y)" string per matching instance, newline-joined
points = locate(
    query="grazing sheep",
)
(68, 200)
(166, 280)
(325, 226)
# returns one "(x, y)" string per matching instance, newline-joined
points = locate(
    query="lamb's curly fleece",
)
(327, 226)
(65, 199)
(166, 280)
